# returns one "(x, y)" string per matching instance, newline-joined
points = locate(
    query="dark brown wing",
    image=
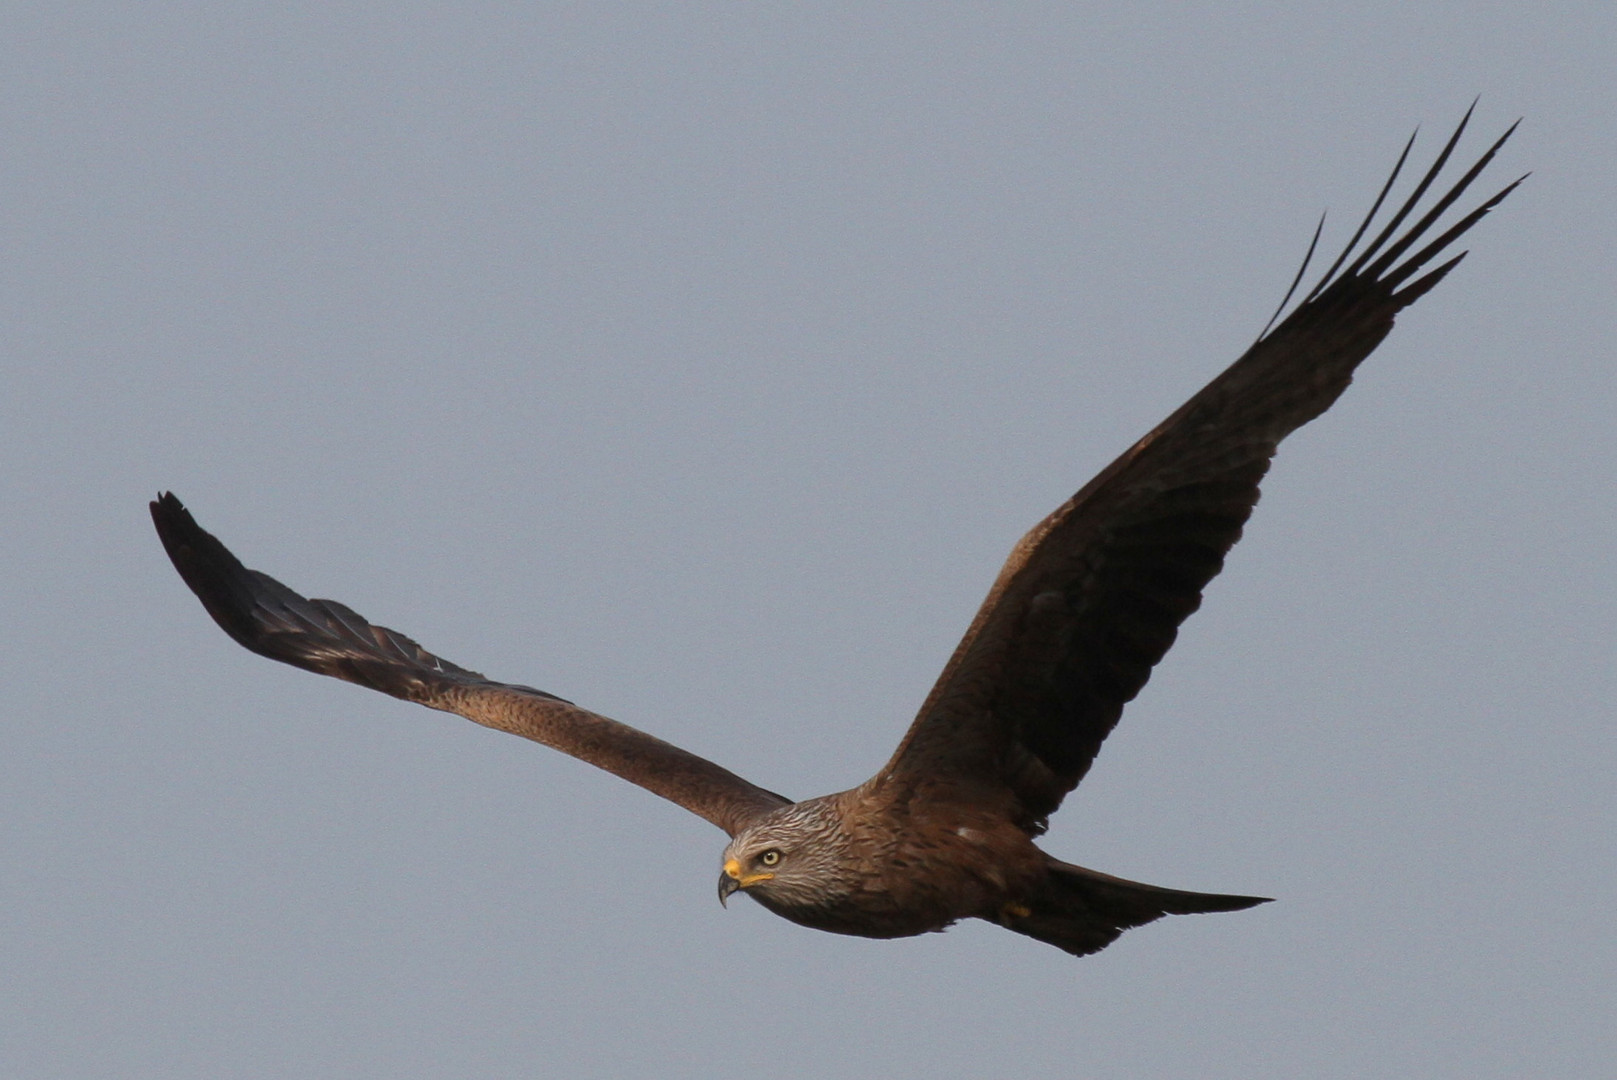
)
(325, 637)
(1093, 596)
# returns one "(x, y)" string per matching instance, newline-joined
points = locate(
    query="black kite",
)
(1086, 605)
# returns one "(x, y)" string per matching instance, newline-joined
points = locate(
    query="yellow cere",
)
(732, 868)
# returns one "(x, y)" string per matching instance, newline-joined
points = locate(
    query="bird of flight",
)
(1085, 606)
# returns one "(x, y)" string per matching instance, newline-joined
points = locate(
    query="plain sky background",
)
(700, 363)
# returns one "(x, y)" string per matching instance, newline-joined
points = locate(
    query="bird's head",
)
(786, 860)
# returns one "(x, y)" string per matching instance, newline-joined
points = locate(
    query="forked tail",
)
(1083, 911)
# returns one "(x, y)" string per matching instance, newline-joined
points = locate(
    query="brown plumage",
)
(1086, 605)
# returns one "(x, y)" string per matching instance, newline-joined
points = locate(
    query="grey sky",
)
(700, 363)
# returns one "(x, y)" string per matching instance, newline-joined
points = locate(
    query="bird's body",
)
(888, 867)
(891, 860)
(1085, 606)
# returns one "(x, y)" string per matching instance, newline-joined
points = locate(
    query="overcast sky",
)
(700, 363)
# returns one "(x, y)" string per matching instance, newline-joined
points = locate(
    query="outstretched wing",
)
(325, 637)
(1093, 596)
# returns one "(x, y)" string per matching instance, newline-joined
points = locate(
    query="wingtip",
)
(174, 523)
(167, 505)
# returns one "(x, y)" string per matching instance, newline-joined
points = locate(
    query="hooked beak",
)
(733, 879)
(727, 885)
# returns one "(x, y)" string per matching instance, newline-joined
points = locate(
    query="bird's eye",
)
(770, 857)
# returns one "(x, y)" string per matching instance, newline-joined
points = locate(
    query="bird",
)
(1085, 606)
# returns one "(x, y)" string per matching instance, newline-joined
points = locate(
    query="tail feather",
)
(1082, 911)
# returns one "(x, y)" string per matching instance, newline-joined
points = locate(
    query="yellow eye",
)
(770, 857)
